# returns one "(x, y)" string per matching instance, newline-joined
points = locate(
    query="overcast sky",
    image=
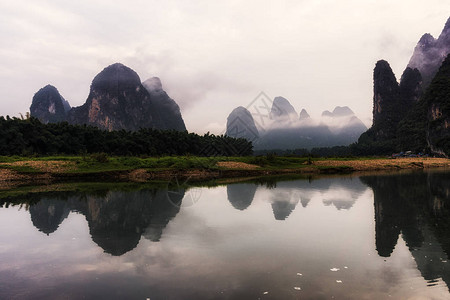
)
(213, 56)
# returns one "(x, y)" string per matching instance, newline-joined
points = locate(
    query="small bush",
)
(100, 157)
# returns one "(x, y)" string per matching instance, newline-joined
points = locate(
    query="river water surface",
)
(369, 237)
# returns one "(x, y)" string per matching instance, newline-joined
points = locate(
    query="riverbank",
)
(16, 171)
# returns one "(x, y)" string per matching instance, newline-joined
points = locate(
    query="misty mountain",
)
(282, 110)
(117, 100)
(240, 124)
(304, 115)
(344, 125)
(288, 130)
(295, 137)
(429, 54)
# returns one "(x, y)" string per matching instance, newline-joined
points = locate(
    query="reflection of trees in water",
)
(416, 205)
(116, 219)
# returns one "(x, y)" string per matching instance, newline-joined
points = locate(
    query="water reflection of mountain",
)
(48, 213)
(342, 192)
(417, 206)
(116, 219)
(241, 195)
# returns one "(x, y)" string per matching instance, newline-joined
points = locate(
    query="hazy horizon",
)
(213, 57)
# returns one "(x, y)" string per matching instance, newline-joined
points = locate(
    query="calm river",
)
(369, 237)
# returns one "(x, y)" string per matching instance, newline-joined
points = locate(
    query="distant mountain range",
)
(117, 100)
(289, 130)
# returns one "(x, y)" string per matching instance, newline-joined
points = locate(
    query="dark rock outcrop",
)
(386, 101)
(49, 106)
(400, 121)
(430, 53)
(117, 100)
(437, 98)
(240, 124)
(426, 126)
(166, 112)
(410, 87)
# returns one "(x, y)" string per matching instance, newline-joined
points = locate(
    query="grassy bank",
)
(100, 167)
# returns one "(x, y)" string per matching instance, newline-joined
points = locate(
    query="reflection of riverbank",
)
(46, 174)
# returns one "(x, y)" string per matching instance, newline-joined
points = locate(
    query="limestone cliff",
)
(437, 100)
(166, 112)
(117, 100)
(49, 106)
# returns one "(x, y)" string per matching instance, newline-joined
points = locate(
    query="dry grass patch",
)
(387, 164)
(237, 165)
(51, 166)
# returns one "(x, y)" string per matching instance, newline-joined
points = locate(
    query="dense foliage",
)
(31, 137)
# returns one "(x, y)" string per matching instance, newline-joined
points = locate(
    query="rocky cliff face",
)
(386, 101)
(430, 53)
(412, 115)
(240, 124)
(49, 106)
(437, 100)
(410, 87)
(167, 113)
(117, 100)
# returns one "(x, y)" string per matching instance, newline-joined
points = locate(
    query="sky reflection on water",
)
(371, 237)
